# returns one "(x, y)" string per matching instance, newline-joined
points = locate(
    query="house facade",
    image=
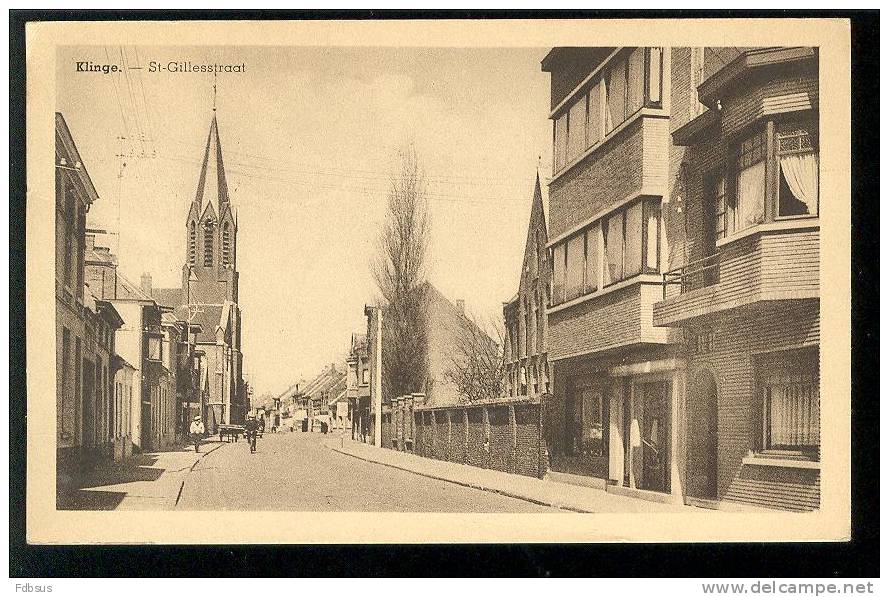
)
(615, 412)
(85, 327)
(358, 387)
(746, 296)
(526, 367)
(139, 343)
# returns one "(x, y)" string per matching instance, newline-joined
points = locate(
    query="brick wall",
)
(503, 436)
(605, 177)
(738, 337)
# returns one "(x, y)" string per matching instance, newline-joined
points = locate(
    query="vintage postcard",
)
(438, 281)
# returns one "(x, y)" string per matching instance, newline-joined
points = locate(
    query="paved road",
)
(295, 471)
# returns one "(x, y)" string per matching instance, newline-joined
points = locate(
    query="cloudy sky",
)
(308, 137)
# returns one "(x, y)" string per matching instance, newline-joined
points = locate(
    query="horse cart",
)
(230, 432)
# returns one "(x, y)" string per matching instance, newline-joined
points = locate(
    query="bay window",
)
(741, 197)
(632, 80)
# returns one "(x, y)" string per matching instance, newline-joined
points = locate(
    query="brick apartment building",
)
(617, 383)
(526, 367)
(747, 295)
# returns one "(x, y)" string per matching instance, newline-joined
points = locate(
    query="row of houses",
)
(134, 364)
(307, 406)
(665, 327)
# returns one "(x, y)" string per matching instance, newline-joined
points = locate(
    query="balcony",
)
(775, 261)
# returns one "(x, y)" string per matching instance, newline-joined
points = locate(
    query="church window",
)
(208, 243)
(226, 245)
(192, 244)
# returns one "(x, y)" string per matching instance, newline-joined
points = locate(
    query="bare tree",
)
(399, 273)
(477, 366)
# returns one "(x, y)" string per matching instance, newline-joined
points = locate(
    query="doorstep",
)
(572, 479)
(644, 494)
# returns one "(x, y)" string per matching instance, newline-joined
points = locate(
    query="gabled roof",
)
(127, 290)
(168, 297)
(538, 214)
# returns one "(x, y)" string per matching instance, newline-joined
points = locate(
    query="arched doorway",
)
(702, 435)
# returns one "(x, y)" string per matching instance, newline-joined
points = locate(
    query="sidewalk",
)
(548, 493)
(150, 481)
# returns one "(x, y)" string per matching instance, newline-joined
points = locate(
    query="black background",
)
(858, 558)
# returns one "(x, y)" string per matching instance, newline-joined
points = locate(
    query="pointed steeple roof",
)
(212, 187)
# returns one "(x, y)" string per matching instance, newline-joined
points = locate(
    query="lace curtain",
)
(801, 173)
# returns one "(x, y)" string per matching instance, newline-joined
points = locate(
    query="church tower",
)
(210, 273)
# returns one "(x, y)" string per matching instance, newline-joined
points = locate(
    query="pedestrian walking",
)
(197, 432)
(251, 428)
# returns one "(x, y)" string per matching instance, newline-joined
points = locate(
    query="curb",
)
(191, 468)
(471, 485)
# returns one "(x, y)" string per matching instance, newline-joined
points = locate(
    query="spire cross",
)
(214, 90)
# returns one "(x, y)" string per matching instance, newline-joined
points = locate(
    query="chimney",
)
(461, 307)
(146, 283)
(90, 242)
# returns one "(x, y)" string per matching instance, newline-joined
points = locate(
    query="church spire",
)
(212, 186)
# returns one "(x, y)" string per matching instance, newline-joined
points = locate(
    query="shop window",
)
(798, 168)
(790, 394)
(586, 430)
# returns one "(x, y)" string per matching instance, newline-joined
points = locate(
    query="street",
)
(297, 472)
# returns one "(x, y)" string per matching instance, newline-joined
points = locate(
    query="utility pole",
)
(378, 380)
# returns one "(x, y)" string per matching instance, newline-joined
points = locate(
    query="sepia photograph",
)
(322, 289)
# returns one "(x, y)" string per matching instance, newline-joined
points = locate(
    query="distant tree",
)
(398, 270)
(477, 366)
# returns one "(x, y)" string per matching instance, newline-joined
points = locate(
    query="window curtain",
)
(614, 248)
(633, 241)
(801, 173)
(794, 412)
(592, 259)
(594, 117)
(751, 196)
(576, 129)
(576, 266)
